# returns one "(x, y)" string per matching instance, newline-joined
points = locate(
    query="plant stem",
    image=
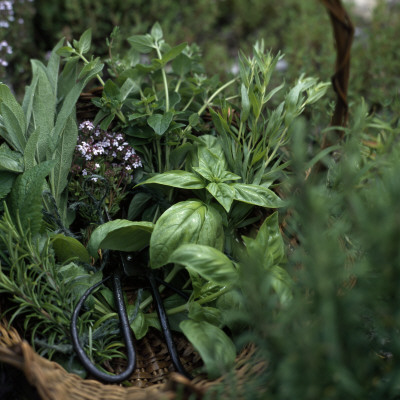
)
(215, 94)
(99, 78)
(183, 307)
(164, 75)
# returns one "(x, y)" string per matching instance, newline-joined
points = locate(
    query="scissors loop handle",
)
(125, 329)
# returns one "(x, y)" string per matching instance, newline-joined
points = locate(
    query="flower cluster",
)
(104, 153)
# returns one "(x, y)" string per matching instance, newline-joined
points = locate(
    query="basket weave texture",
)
(54, 383)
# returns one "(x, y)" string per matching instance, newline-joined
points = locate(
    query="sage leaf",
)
(10, 160)
(13, 119)
(6, 182)
(210, 263)
(257, 195)
(177, 178)
(160, 123)
(121, 235)
(26, 196)
(214, 346)
(66, 248)
(63, 156)
(44, 102)
(32, 152)
(189, 221)
(223, 193)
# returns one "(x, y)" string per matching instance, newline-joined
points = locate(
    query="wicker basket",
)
(152, 379)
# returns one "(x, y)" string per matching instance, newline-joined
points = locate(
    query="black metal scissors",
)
(129, 268)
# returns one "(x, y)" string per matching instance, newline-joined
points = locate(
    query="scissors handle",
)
(162, 315)
(125, 329)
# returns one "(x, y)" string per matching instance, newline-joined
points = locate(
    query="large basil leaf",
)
(67, 247)
(209, 314)
(189, 221)
(257, 195)
(121, 235)
(208, 262)
(223, 193)
(177, 178)
(215, 347)
(268, 241)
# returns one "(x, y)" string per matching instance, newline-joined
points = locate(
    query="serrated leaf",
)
(189, 221)
(85, 41)
(177, 178)
(181, 65)
(160, 122)
(214, 346)
(194, 119)
(208, 262)
(121, 235)
(156, 32)
(257, 195)
(65, 51)
(173, 53)
(66, 247)
(26, 196)
(141, 43)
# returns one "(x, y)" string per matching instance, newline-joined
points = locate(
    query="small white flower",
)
(88, 157)
(94, 179)
(84, 172)
(128, 168)
(97, 165)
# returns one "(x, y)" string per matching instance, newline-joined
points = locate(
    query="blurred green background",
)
(300, 29)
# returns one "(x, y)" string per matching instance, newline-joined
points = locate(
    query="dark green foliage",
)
(338, 337)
